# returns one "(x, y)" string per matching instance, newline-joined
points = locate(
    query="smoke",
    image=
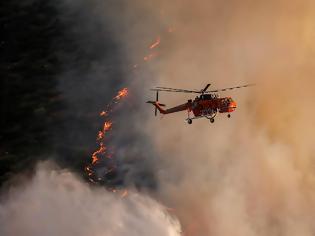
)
(253, 174)
(56, 202)
(97, 63)
(250, 175)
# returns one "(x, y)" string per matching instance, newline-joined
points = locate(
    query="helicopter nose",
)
(232, 106)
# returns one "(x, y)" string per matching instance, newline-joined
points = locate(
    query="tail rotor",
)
(156, 103)
(156, 100)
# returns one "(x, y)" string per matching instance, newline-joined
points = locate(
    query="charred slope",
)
(29, 99)
(60, 65)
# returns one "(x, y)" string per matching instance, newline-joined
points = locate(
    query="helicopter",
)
(207, 105)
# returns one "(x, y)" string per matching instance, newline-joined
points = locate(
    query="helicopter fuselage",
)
(205, 106)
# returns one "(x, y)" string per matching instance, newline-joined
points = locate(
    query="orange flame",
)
(103, 113)
(121, 94)
(156, 43)
(100, 135)
(102, 150)
(107, 126)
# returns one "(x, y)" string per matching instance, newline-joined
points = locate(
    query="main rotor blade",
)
(231, 88)
(176, 90)
(167, 88)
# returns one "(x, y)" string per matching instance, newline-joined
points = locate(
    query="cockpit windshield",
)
(227, 101)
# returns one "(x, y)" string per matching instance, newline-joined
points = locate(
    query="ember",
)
(103, 113)
(121, 94)
(156, 43)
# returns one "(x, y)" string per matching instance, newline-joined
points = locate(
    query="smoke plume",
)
(253, 174)
(250, 175)
(56, 202)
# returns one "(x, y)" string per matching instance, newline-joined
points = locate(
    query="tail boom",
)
(179, 108)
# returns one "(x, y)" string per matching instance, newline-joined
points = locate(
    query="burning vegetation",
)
(103, 151)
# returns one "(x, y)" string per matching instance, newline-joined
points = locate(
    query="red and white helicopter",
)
(207, 105)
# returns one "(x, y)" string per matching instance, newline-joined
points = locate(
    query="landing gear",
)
(229, 115)
(189, 121)
(211, 115)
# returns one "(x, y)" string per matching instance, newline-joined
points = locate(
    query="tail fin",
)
(158, 106)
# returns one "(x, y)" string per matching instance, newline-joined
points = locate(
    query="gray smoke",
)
(251, 175)
(99, 63)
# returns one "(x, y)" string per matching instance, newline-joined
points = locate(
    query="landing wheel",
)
(189, 121)
(211, 120)
(229, 115)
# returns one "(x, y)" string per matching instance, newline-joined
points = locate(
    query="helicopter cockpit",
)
(227, 100)
(210, 96)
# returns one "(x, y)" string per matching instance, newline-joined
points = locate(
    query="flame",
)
(156, 43)
(100, 135)
(107, 126)
(98, 152)
(121, 94)
(103, 113)
(102, 150)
